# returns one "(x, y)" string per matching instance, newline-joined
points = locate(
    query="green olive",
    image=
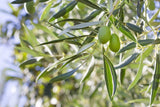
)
(114, 43)
(104, 34)
(29, 7)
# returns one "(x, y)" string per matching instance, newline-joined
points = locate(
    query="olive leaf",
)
(110, 77)
(138, 75)
(52, 67)
(133, 44)
(20, 1)
(90, 4)
(134, 28)
(85, 47)
(127, 61)
(89, 70)
(27, 62)
(46, 10)
(64, 76)
(63, 11)
(127, 33)
(156, 79)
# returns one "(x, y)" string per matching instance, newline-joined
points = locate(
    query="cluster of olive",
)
(104, 35)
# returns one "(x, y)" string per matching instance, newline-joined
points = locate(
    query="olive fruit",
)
(114, 43)
(29, 7)
(104, 34)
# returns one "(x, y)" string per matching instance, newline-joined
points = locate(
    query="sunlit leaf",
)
(72, 20)
(134, 28)
(145, 53)
(32, 52)
(92, 15)
(127, 33)
(46, 10)
(20, 1)
(95, 90)
(90, 4)
(42, 27)
(127, 61)
(85, 47)
(122, 75)
(30, 36)
(156, 79)
(64, 10)
(154, 17)
(52, 67)
(139, 101)
(110, 77)
(138, 75)
(84, 25)
(89, 70)
(64, 76)
(133, 44)
(62, 40)
(80, 26)
(27, 62)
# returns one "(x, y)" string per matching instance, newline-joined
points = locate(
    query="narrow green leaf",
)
(64, 10)
(43, 0)
(139, 7)
(127, 61)
(154, 17)
(42, 27)
(91, 37)
(134, 28)
(46, 10)
(155, 23)
(93, 15)
(44, 72)
(138, 75)
(114, 76)
(79, 56)
(84, 25)
(89, 70)
(85, 47)
(122, 75)
(127, 33)
(27, 50)
(27, 62)
(20, 1)
(64, 39)
(139, 101)
(30, 36)
(145, 53)
(133, 44)
(95, 90)
(64, 76)
(157, 41)
(52, 67)
(73, 20)
(110, 77)
(80, 26)
(156, 79)
(90, 4)
(121, 14)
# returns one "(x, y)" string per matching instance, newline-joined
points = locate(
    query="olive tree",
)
(103, 48)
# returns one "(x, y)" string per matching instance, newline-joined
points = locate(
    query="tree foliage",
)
(61, 39)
